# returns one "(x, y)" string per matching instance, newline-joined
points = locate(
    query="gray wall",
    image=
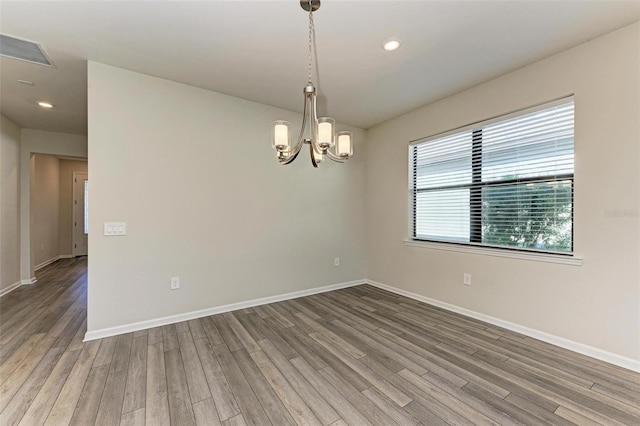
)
(9, 204)
(45, 208)
(596, 304)
(193, 175)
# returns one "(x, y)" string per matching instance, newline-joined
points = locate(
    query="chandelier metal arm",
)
(292, 154)
(334, 157)
(313, 158)
(290, 158)
(310, 94)
(305, 111)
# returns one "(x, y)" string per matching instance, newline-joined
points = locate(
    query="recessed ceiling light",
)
(45, 104)
(391, 44)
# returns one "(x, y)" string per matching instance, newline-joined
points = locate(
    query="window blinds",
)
(505, 182)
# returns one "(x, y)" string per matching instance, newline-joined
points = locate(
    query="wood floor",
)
(356, 356)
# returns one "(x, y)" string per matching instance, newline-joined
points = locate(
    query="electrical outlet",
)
(336, 261)
(466, 279)
(175, 283)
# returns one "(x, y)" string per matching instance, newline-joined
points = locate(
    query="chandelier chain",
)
(312, 34)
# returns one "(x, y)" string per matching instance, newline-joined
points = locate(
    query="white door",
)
(80, 214)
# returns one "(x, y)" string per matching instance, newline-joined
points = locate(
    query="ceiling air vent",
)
(24, 50)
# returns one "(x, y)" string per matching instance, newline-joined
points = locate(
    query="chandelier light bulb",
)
(344, 147)
(326, 130)
(281, 135)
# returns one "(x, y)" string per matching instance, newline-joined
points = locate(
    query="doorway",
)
(80, 213)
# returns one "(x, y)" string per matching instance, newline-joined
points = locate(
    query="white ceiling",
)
(257, 50)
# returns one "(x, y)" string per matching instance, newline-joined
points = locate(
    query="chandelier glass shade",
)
(319, 133)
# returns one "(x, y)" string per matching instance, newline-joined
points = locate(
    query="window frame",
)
(566, 257)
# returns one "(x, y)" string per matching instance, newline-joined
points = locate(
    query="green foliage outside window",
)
(533, 215)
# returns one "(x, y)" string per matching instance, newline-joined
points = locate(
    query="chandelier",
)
(320, 136)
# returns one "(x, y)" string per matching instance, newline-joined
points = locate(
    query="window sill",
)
(536, 257)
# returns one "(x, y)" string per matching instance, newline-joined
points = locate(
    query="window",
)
(505, 182)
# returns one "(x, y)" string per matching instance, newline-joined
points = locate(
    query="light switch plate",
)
(115, 228)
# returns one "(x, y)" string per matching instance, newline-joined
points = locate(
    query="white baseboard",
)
(581, 348)
(10, 288)
(142, 325)
(45, 263)
(50, 261)
(29, 281)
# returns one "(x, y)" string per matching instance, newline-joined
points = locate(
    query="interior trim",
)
(488, 251)
(602, 355)
(581, 348)
(50, 261)
(143, 325)
(10, 288)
